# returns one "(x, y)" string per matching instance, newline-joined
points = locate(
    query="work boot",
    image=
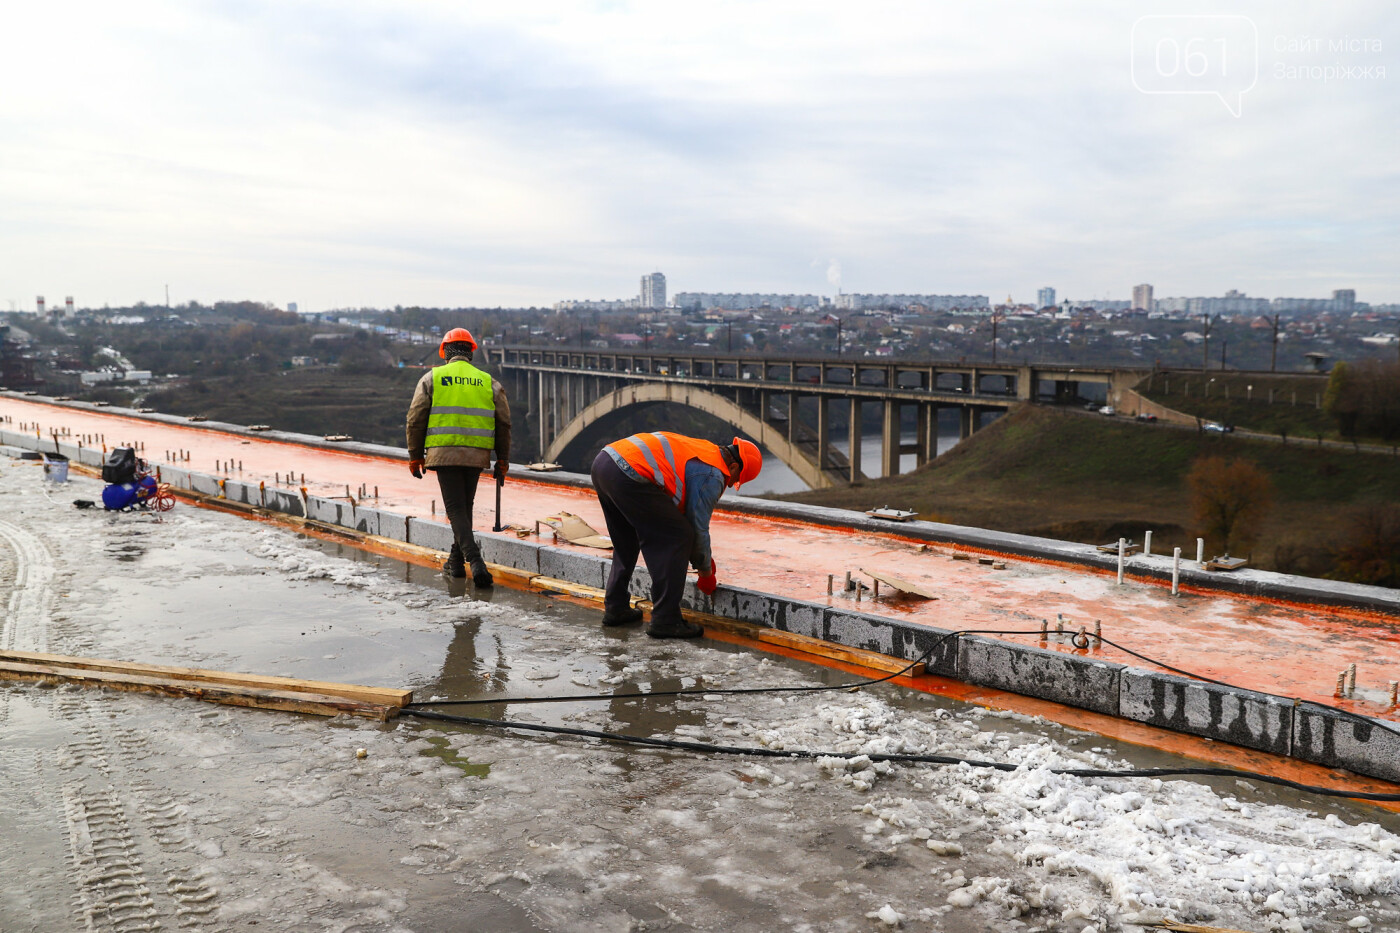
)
(481, 577)
(626, 616)
(678, 629)
(454, 566)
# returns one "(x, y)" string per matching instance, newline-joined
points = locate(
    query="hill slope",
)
(1093, 479)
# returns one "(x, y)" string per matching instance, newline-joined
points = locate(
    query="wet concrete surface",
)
(136, 812)
(1288, 650)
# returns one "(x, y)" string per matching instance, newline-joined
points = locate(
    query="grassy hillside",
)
(367, 406)
(1092, 479)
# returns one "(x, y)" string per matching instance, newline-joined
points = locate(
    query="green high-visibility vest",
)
(464, 408)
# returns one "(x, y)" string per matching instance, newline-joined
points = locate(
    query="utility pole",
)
(729, 336)
(995, 320)
(167, 296)
(838, 336)
(1273, 355)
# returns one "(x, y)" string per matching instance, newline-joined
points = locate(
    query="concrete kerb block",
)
(804, 618)
(640, 584)
(732, 602)
(1227, 714)
(175, 476)
(573, 565)
(1331, 738)
(204, 484)
(237, 491)
(506, 550)
(902, 640)
(286, 502)
(859, 630)
(431, 534)
(1039, 672)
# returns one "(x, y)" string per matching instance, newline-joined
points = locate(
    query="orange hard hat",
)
(751, 458)
(456, 335)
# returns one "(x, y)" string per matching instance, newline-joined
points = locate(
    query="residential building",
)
(1142, 297)
(1045, 298)
(653, 291)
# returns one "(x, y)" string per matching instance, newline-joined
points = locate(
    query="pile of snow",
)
(297, 562)
(1102, 853)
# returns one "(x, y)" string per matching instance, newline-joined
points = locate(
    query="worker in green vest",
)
(458, 417)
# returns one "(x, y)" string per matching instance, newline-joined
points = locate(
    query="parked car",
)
(1217, 428)
(1107, 410)
(1146, 416)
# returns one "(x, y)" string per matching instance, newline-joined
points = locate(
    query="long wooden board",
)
(899, 583)
(813, 646)
(292, 701)
(380, 696)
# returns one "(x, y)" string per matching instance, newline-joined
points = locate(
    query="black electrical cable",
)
(758, 752)
(1079, 639)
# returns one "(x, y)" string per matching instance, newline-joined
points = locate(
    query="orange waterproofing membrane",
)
(1280, 648)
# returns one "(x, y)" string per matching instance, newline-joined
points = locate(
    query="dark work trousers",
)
(642, 517)
(458, 485)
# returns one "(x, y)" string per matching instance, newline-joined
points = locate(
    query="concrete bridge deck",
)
(1281, 639)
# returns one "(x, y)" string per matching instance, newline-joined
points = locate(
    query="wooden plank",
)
(813, 646)
(227, 694)
(382, 696)
(900, 584)
(551, 585)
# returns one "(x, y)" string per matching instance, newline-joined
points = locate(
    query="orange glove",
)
(416, 468)
(707, 582)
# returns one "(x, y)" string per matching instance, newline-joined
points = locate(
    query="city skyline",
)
(451, 156)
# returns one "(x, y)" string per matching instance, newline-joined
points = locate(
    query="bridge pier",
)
(823, 434)
(890, 440)
(854, 435)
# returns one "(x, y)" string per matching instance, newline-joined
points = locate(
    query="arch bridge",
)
(785, 403)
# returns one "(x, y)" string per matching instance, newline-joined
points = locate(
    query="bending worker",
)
(458, 416)
(658, 492)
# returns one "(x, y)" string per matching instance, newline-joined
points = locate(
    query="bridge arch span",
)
(746, 422)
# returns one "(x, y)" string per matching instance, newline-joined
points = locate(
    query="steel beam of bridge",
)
(567, 389)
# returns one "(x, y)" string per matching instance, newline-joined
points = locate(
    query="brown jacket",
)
(417, 429)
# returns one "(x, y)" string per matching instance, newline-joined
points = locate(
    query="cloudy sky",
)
(350, 153)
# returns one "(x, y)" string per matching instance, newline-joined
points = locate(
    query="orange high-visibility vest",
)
(661, 457)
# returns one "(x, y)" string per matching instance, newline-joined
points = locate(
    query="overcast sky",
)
(347, 154)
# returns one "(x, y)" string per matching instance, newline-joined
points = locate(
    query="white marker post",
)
(1176, 571)
(1147, 543)
(1201, 551)
(1122, 549)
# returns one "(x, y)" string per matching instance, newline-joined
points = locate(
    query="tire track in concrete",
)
(31, 596)
(110, 819)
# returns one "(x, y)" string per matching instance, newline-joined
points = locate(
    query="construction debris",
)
(577, 531)
(904, 586)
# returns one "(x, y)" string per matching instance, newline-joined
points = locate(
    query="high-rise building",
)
(1344, 299)
(1045, 298)
(1142, 297)
(653, 291)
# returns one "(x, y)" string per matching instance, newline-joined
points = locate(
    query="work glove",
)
(416, 468)
(502, 467)
(707, 582)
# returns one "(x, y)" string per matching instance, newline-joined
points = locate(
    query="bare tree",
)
(1229, 498)
(1370, 549)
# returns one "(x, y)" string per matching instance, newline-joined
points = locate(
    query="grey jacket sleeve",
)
(416, 430)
